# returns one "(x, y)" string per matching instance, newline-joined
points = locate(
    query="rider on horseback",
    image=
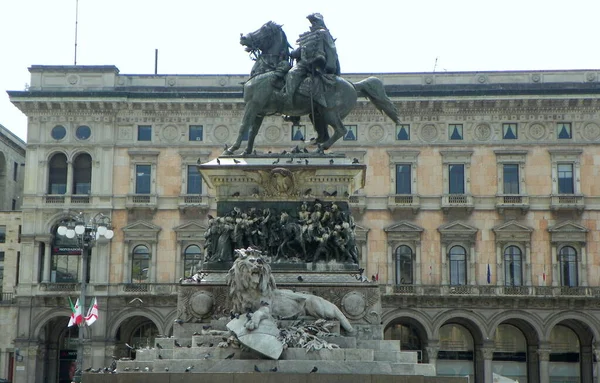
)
(316, 56)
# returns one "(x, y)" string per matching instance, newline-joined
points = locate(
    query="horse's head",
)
(263, 38)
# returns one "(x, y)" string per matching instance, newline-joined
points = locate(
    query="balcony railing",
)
(6, 298)
(404, 201)
(141, 201)
(512, 201)
(493, 290)
(65, 199)
(567, 202)
(193, 201)
(358, 201)
(451, 201)
(102, 289)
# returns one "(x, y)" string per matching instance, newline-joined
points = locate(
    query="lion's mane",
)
(245, 291)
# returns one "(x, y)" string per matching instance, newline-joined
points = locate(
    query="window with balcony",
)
(563, 131)
(192, 258)
(513, 266)
(457, 260)
(140, 265)
(196, 133)
(456, 178)
(455, 132)
(404, 265)
(565, 179)
(57, 177)
(567, 258)
(143, 175)
(144, 133)
(82, 174)
(510, 180)
(403, 179)
(194, 180)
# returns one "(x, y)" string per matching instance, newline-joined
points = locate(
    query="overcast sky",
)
(202, 36)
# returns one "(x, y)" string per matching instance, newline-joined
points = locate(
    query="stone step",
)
(379, 345)
(285, 366)
(339, 354)
(396, 356)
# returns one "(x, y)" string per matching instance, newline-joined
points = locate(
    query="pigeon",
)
(236, 161)
(136, 369)
(254, 152)
(206, 327)
(305, 161)
(296, 149)
(355, 160)
(276, 161)
(126, 369)
(284, 152)
(331, 161)
(190, 368)
(160, 356)
(88, 369)
(177, 344)
(256, 369)
(230, 356)
(300, 279)
(248, 316)
(199, 344)
(236, 194)
(147, 369)
(196, 333)
(307, 191)
(325, 193)
(274, 369)
(290, 160)
(218, 161)
(189, 345)
(333, 193)
(207, 356)
(314, 369)
(305, 150)
(263, 303)
(128, 346)
(210, 344)
(179, 321)
(167, 369)
(136, 300)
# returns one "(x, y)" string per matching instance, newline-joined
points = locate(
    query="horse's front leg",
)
(247, 121)
(339, 130)
(253, 133)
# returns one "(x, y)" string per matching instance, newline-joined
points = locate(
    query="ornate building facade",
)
(478, 218)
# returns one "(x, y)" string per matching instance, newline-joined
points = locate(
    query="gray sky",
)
(202, 36)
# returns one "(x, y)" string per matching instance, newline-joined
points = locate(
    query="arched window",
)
(144, 335)
(82, 174)
(57, 177)
(140, 266)
(458, 265)
(191, 260)
(404, 265)
(567, 257)
(513, 274)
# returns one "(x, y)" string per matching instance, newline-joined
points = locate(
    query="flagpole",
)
(85, 252)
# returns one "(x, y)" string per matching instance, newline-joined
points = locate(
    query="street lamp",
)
(87, 232)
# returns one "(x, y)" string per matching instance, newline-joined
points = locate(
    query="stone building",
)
(478, 218)
(12, 160)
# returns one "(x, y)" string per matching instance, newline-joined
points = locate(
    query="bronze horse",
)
(262, 94)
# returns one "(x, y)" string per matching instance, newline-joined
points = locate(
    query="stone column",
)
(583, 267)
(555, 270)
(473, 266)
(487, 353)
(69, 190)
(586, 360)
(544, 358)
(390, 264)
(432, 349)
(418, 264)
(46, 271)
(499, 268)
(597, 354)
(444, 265)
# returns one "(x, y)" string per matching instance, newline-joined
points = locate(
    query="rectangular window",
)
(455, 131)
(142, 179)
(403, 184)
(196, 133)
(403, 132)
(65, 268)
(565, 179)
(2, 234)
(144, 133)
(352, 133)
(194, 180)
(15, 171)
(299, 133)
(511, 178)
(563, 131)
(14, 204)
(509, 131)
(456, 179)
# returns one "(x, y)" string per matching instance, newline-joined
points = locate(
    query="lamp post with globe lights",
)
(86, 232)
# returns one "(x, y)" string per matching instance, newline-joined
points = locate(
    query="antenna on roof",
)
(155, 61)
(435, 64)
(76, 20)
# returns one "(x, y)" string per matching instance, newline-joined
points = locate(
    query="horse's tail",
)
(373, 89)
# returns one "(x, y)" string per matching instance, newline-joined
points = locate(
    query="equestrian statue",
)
(312, 86)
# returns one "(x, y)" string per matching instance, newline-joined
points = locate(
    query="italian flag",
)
(76, 314)
(92, 313)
